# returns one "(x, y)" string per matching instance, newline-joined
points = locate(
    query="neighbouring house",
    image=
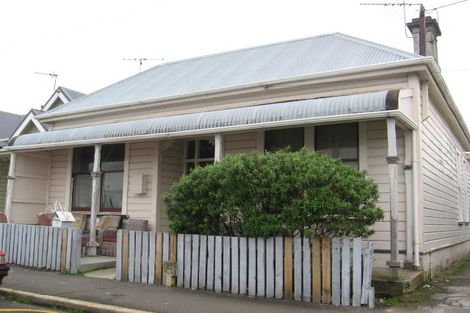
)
(387, 111)
(8, 124)
(13, 125)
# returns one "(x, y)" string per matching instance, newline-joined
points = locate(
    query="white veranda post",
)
(95, 200)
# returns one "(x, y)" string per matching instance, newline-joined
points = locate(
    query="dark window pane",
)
(83, 159)
(189, 167)
(206, 149)
(112, 158)
(82, 192)
(190, 149)
(283, 138)
(202, 164)
(111, 191)
(340, 141)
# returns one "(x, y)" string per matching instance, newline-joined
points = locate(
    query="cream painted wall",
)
(58, 177)
(30, 189)
(171, 169)
(377, 169)
(443, 209)
(142, 162)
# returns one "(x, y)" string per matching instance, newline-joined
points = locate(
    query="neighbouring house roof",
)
(260, 115)
(8, 124)
(60, 96)
(71, 94)
(272, 62)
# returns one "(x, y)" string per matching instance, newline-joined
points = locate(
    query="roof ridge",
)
(378, 45)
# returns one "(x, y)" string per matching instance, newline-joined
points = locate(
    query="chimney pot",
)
(431, 32)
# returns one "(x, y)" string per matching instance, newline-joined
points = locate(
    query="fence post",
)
(326, 271)
(288, 268)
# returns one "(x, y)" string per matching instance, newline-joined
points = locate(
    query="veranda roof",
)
(259, 116)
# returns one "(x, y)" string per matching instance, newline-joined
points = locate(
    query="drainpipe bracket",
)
(408, 167)
(392, 263)
(392, 159)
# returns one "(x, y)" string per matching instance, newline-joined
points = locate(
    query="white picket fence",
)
(337, 271)
(51, 248)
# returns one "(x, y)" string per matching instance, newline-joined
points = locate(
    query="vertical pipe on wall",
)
(10, 186)
(414, 157)
(95, 200)
(408, 167)
(392, 160)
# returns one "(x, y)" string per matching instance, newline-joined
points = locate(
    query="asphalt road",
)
(16, 307)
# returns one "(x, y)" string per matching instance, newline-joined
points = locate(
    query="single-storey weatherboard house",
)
(117, 150)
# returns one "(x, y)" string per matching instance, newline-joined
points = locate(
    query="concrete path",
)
(147, 298)
(453, 296)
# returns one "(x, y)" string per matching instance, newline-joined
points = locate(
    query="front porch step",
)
(92, 263)
(107, 273)
(407, 282)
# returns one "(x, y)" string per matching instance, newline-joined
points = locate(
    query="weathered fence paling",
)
(308, 269)
(51, 248)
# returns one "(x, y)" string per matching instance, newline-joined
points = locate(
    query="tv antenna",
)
(141, 60)
(51, 74)
(409, 4)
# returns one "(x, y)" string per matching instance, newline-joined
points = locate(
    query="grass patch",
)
(458, 266)
(67, 272)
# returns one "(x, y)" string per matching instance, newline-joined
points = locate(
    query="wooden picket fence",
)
(51, 248)
(337, 271)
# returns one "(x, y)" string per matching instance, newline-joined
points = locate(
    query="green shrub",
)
(268, 194)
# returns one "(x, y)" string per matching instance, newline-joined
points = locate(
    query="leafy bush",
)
(282, 193)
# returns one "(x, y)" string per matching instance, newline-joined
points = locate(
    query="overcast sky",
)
(85, 41)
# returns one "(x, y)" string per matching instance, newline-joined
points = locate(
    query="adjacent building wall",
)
(445, 182)
(30, 187)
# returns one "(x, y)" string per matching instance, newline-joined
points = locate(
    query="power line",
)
(445, 6)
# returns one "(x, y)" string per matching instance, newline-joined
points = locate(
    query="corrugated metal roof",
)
(9, 122)
(283, 111)
(71, 94)
(242, 67)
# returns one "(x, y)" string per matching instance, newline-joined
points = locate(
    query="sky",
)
(85, 42)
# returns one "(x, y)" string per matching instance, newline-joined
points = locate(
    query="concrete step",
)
(92, 263)
(407, 281)
(107, 273)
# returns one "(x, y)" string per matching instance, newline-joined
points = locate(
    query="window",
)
(82, 166)
(339, 141)
(292, 138)
(198, 153)
(112, 172)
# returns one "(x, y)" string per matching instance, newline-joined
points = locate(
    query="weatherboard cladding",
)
(267, 63)
(275, 112)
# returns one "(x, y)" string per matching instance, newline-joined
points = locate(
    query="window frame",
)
(102, 175)
(301, 130)
(344, 160)
(196, 159)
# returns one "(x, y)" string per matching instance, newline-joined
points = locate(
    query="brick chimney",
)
(425, 30)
